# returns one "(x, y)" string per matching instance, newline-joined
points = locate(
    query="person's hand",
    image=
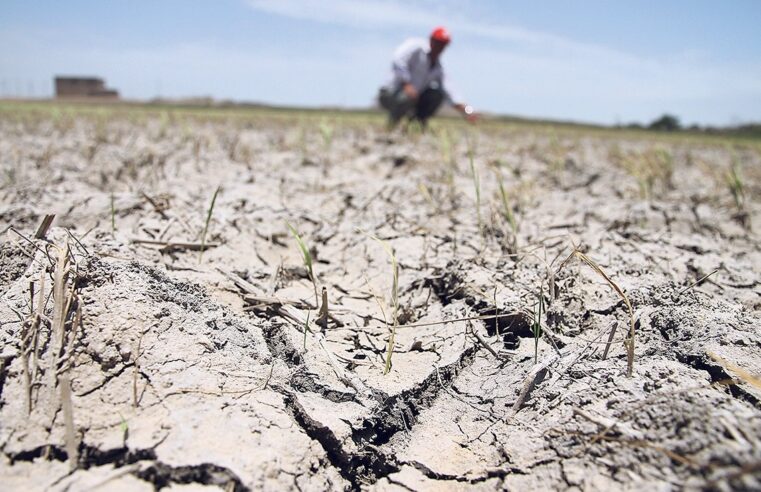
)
(468, 112)
(410, 91)
(472, 117)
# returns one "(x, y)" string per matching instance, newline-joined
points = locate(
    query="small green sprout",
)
(507, 210)
(477, 186)
(306, 257)
(394, 297)
(736, 186)
(326, 131)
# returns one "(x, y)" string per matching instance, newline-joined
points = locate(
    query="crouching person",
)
(417, 89)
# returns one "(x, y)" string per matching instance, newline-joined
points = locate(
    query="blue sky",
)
(596, 60)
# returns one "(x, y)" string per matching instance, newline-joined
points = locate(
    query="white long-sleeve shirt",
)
(411, 65)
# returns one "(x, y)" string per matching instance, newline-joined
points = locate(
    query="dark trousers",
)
(399, 105)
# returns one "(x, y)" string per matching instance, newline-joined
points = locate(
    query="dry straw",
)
(206, 224)
(629, 342)
(66, 320)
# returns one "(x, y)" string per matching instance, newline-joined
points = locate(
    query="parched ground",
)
(132, 360)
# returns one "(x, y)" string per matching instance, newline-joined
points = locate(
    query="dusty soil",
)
(179, 370)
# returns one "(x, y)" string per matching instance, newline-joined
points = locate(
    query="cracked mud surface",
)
(192, 372)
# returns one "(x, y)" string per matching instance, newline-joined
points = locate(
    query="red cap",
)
(441, 34)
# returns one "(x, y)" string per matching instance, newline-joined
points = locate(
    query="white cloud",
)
(393, 14)
(372, 13)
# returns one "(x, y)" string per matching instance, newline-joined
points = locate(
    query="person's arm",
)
(401, 68)
(465, 109)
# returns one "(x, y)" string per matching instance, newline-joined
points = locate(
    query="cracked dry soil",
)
(192, 371)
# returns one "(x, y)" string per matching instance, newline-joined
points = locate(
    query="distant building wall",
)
(83, 87)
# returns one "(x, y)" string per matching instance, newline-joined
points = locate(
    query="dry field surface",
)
(213, 305)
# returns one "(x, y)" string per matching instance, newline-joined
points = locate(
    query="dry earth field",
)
(152, 341)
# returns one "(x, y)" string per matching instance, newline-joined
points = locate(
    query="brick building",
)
(83, 87)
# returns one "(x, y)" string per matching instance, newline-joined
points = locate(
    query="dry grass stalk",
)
(260, 302)
(136, 372)
(630, 339)
(613, 329)
(63, 336)
(26, 339)
(241, 283)
(697, 282)
(746, 376)
(29, 341)
(483, 342)
(113, 215)
(536, 326)
(323, 315)
(306, 330)
(395, 304)
(42, 230)
(481, 317)
(60, 287)
(68, 418)
(534, 377)
(158, 207)
(175, 245)
(34, 245)
(344, 376)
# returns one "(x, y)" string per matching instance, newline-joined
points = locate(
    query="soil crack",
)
(717, 374)
(159, 474)
(368, 465)
(399, 412)
(487, 475)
